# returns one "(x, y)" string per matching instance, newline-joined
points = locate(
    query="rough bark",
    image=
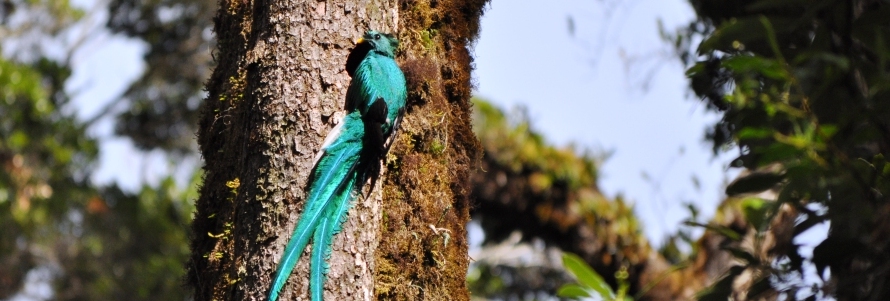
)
(277, 90)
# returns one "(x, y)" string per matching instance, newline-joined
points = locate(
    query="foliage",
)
(44, 154)
(513, 143)
(551, 193)
(43, 167)
(550, 174)
(803, 89)
(133, 246)
(99, 243)
(503, 278)
(590, 283)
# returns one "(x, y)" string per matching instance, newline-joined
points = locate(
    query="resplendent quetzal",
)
(375, 101)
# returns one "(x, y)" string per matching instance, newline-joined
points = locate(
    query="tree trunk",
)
(277, 90)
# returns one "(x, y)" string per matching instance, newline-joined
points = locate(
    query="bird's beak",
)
(359, 41)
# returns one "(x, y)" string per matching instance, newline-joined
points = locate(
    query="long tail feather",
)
(321, 250)
(324, 235)
(334, 172)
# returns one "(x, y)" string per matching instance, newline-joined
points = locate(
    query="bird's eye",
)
(376, 36)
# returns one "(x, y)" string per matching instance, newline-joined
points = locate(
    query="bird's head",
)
(383, 43)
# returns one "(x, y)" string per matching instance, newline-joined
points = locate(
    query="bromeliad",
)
(375, 101)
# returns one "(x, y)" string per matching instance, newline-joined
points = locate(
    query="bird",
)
(375, 102)
(377, 78)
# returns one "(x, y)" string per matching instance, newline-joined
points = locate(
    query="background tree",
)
(91, 242)
(161, 109)
(528, 192)
(803, 92)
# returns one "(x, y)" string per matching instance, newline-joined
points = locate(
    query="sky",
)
(608, 86)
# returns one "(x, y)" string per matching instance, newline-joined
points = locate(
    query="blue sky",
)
(610, 86)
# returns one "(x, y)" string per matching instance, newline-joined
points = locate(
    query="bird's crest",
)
(382, 43)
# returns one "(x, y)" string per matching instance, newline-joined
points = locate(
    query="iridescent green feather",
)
(334, 174)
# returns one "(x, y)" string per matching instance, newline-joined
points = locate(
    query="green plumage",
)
(332, 182)
(378, 77)
(375, 100)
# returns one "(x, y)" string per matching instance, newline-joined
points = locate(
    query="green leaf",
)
(766, 67)
(754, 182)
(828, 130)
(573, 291)
(18, 140)
(695, 69)
(755, 133)
(722, 230)
(586, 275)
(755, 210)
(777, 152)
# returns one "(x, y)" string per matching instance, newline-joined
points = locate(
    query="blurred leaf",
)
(754, 182)
(755, 210)
(573, 291)
(722, 230)
(755, 133)
(802, 87)
(766, 67)
(586, 275)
